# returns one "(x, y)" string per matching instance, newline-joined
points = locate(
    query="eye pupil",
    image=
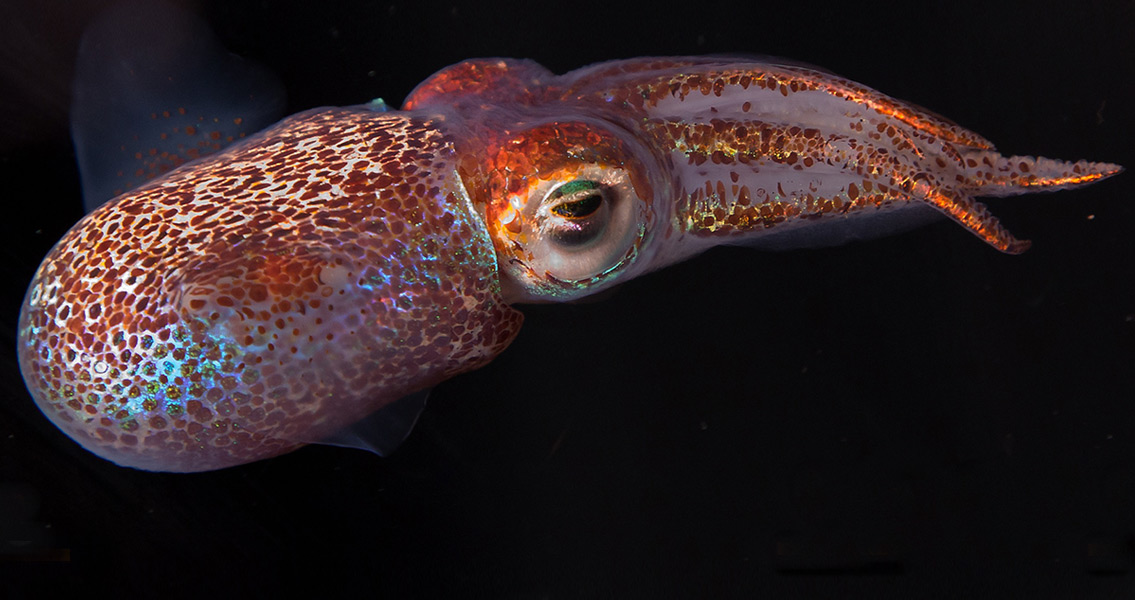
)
(580, 208)
(580, 211)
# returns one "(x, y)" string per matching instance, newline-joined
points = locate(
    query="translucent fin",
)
(154, 89)
(383, 431)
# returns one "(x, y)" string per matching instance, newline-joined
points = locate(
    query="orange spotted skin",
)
(265, 297)
(746, 149)
(893, 153)
(272, 294)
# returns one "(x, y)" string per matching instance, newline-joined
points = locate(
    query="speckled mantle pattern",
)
(266, 296)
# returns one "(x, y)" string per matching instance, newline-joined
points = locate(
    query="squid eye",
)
(579, 212)
(577, 223)
(580, 199)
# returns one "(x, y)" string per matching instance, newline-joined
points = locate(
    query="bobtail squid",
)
(335, 266)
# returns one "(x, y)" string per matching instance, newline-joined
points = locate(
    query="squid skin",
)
(274, 293)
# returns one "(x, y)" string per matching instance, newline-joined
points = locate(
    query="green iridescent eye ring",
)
(583, 198)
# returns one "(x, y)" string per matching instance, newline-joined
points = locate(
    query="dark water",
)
(917, 415)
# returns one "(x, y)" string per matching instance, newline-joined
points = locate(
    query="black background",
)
(917, 415)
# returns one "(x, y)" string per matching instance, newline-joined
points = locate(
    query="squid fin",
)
(383, 431)
(154, 89)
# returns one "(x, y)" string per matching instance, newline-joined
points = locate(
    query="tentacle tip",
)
(1100, 171)
(1016, 247)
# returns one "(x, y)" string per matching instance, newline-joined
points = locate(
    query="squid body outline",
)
(343, 261)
